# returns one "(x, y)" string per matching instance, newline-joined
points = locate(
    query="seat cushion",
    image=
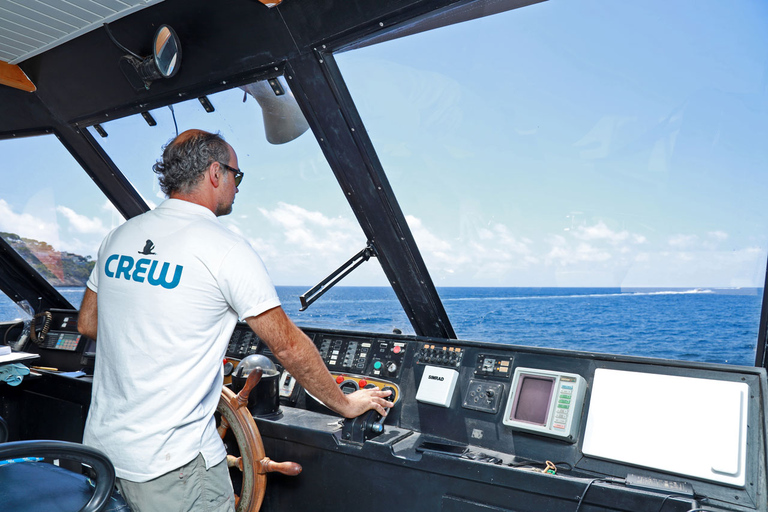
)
(38, 487)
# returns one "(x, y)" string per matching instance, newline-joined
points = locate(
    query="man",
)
(162, 302)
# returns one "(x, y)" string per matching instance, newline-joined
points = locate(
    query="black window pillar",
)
(319, 88)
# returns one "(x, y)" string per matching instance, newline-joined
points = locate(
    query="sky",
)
(590, 143)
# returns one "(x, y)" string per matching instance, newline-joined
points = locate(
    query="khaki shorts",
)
(190, 488)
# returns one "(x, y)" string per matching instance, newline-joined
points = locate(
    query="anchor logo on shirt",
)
(148, 248)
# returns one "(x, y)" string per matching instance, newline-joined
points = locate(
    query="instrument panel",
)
(371, 357)
(355, 362)
(520, 402)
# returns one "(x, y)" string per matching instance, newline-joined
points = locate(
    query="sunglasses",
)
(238, 173)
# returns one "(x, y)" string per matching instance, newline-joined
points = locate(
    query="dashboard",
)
(616, 417)
(628, 433)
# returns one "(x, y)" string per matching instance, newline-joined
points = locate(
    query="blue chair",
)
(39, 486)
(3, 430)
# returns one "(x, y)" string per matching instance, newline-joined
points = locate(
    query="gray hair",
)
(186, 158)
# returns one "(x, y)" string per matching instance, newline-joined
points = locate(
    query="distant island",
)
(58, 267)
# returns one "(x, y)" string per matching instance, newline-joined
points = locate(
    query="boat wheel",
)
(253, 462)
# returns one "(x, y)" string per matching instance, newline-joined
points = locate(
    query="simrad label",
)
(437, 386)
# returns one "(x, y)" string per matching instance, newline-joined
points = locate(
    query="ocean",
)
(711, 325)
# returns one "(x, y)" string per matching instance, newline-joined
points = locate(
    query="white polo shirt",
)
(171, 284)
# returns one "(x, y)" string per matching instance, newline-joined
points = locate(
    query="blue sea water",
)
(698, 325)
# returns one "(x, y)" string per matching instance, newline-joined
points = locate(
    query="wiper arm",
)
(337, 275)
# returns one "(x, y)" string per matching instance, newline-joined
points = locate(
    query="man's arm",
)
(88, 320)
(298, 355)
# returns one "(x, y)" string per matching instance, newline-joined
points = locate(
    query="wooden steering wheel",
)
(253, 463)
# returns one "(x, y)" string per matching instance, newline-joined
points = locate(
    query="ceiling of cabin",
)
(30, 27)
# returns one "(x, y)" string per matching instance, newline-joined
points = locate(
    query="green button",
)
(377, 365)
(563, 406)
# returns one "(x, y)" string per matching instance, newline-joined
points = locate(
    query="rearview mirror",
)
(167, 51)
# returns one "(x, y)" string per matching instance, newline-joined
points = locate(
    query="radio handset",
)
(39, 339)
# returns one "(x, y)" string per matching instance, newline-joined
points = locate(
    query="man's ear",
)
(214, 174)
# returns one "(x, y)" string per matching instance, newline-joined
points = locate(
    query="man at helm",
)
(162, 301)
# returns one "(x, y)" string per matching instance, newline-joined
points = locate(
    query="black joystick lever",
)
(365, 426)
(378, 426)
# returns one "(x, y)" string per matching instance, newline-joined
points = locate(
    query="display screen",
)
(532, 402)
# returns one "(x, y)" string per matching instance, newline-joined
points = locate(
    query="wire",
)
(672, 497)
(5, 336)
(559, 466)
(621, 481)
(173, 113)
(40, 339)
(581, 498)
(126, 50)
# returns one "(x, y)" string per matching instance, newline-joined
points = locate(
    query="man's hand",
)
(366, 399)
(300, 357)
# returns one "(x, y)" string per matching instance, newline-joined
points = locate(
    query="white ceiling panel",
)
(30, 27)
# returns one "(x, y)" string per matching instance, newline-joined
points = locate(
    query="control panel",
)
(483, 396)
(440, 355)
(485, 391)
(243, 342)
(486, 403)
(63, 334)
(387, 359)
(350, 384)
(494, 366)
(372, 357)
(56, 340)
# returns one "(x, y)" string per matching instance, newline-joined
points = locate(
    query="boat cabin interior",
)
(476, 425)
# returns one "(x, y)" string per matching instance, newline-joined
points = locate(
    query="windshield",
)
(601, 164)
(289, 205)
(52, 214)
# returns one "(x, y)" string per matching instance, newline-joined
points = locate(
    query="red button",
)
(339, 379)
(362, 383)
(396, 349)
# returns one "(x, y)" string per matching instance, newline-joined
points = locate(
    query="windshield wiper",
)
(337, 275)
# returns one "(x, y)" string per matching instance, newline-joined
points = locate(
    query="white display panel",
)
(546, 402)
(682, 425)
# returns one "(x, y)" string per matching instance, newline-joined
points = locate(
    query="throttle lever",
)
(378, 426)
(364, 427)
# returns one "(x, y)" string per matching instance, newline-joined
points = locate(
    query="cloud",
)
(701, 268)
(597, 244)
(601, 231)
(489, 253)
(82, 224)
(425, 239)
(313, 231)
(26, 224)
(301, 246)
(719, 236)
(564, 253)
(683, 241)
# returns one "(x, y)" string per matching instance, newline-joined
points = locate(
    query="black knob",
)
(391, 390)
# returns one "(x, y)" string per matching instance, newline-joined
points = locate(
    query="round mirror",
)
(167, 51)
